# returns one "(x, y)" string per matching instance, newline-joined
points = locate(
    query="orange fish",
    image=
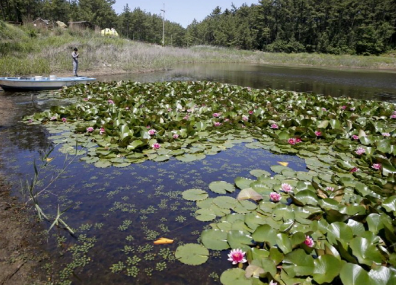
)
(163, 241)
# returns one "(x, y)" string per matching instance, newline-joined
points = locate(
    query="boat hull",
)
(40, 83)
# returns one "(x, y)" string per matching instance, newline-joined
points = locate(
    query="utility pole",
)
(163, 25)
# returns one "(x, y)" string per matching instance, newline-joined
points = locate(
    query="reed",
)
(28, 51)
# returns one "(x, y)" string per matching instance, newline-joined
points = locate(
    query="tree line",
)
(324, 26)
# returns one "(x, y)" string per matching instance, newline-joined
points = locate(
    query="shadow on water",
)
(118, 212)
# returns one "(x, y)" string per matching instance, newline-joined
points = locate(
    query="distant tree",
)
(99, 12)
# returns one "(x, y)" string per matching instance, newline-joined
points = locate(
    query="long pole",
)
(163, 26)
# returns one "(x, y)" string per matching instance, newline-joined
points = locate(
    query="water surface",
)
(118, 212)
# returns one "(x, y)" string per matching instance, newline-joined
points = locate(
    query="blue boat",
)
(41, 83)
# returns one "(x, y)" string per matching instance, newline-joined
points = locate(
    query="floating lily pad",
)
(215, 239)
(192, 254)
(234, 276)
(205, 215)
(221, 187)
(195, 195)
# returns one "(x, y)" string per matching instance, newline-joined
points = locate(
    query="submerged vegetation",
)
(334, 224)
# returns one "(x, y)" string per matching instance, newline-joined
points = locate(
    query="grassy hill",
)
(28, 51)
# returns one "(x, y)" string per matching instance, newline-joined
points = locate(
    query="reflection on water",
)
(359, 84)
(122, 210)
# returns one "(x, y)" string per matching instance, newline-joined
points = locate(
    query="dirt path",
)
(20, 254)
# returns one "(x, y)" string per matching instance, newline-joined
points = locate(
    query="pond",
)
(117, 213)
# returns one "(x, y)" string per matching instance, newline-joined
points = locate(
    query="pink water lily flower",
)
(376, 166)
(90, 129)
(329, 188)
(360, 150)
(318, 134)
(275, 197)
(292, 141)
(274, 126)
(250, 112)
(237, 256)
(152, 132)
(53, 118)
(185, 117)
(216, 115)
(309, 241)
(101, 131)
(245, 118)
(355, 137)
(355, 169)
(156, 146)
(286, 187)
(175, 136)
(110, 101)
(217, 124)
(393, 116)
(386, 134)
(64, 120)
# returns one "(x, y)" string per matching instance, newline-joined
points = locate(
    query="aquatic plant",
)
(329, 228)
(333, 224)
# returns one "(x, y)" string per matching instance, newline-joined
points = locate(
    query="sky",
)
(182, 12)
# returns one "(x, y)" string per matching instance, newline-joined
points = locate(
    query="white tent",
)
(109, 32)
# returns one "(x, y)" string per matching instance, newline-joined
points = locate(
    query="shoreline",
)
(21, 253)
(114, 71)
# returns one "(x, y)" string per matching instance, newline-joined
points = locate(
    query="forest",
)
(359, 27)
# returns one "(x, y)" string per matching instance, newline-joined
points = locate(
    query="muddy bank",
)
(21, 251)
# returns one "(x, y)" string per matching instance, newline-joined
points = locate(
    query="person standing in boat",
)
(75, 61)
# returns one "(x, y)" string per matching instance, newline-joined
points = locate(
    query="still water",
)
(118, 212)
(359, 84)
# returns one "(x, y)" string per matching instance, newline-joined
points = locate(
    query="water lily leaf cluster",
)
(320, 231)
(129, 122)
(334, 224)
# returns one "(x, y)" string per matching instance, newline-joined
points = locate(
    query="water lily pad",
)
(353, 274)
(239, 239)
(259, 172)
(221, 187)
(191, 157)
(234, 276)
(225, 202)
(195, 194)
(192, 254)
(326, 268)
(205, 215)
(215, 239)
(103, 164)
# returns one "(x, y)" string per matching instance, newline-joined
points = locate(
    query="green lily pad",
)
(221, 187)
(192, 254)
(353, 274)
(195, 194)
(205, 215)
(234, 276)
(215, 239)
